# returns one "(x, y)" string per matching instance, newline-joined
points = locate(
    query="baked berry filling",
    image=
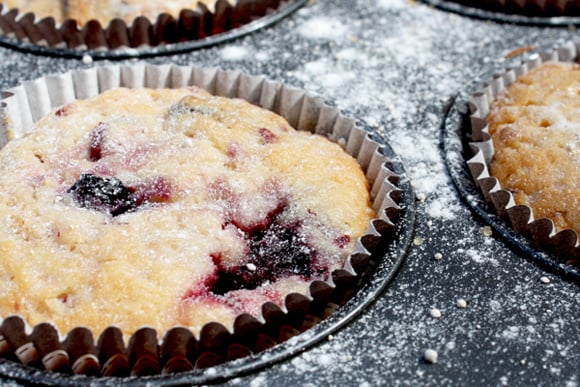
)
(155, 190)
(275, 250)
(104, 194)
(63, 111)
(267, 136)
(110, 195)
(96, 142)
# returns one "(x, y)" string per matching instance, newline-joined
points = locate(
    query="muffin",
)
(535, 127)
(110, 167)
(82, 10)
(170, 207)
(524, 128)
(75, 26)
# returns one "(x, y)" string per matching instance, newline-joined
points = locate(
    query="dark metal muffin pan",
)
(520, 326)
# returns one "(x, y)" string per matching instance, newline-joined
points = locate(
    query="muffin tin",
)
(520, 322)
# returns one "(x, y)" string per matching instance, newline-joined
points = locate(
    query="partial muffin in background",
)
(104, 11)
(524, 140)
(130, 26)
(535, 127)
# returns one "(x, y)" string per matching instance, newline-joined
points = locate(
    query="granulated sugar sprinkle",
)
(461, 303)
(430, 356)
(435, 313)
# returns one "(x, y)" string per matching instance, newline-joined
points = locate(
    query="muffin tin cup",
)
(99, 356)
(551, 13)
(191, 29)
(469, 151)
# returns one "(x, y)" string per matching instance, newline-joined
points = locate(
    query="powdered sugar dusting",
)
(323, 28)
(234, 53)
(397, 64)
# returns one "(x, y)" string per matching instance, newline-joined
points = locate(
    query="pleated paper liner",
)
(192, 29)
(469, 150)
(177, 356)
(551, 13)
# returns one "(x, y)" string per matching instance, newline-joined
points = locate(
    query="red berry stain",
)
(155, 190)
(267, 136)
(220, 190)
(96, 141)
(200, 288)
(62, 111)
(342, 241)
(260, 224)
(234, 150)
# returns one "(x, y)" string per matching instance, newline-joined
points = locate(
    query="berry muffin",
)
(170, 207)
(84, 10)
(535, 127)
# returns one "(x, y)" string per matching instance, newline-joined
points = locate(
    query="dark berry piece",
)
(276, 251)
(96, 142)
(62, 111)
(282, 249)
(102, 194)
(342, 241)
(228, 281)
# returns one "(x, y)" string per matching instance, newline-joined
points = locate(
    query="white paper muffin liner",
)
(542, 232)
(148, 352)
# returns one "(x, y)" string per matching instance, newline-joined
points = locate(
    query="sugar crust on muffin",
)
(169, 207)
(535, 127)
